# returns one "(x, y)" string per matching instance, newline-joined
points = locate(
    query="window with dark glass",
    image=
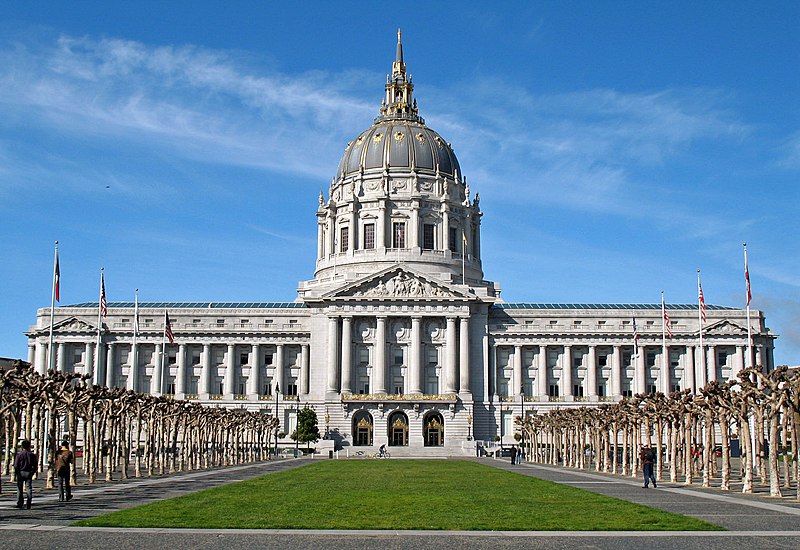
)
(344, 239)
(453, 239)
(369, 235)
(428, 241)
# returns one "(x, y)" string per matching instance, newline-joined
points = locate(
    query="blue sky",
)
(617, 146)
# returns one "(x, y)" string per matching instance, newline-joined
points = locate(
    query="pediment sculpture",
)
(401, 285)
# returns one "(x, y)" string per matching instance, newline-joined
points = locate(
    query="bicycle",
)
(379, 455)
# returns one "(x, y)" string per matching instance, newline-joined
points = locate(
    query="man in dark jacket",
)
(25, 464)
(648, 458)
(64, 457)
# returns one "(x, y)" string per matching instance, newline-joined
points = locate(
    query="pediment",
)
(725, 328)
(398, 283)
(72, 325)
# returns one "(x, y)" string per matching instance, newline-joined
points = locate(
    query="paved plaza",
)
(753, 520)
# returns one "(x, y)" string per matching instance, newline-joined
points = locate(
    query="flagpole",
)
(163, 353)
(749, 329)
(464, 258)
(134, 371)
(52, 312)
(664, 358)
(700, 300)
(99, 331)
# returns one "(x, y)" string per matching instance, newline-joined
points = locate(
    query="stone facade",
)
(398, 338)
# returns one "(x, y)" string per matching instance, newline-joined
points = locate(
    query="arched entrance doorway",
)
(362, 429)
(398, 429)
(433, 430)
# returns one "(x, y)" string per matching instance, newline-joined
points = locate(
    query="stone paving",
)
(754, 521)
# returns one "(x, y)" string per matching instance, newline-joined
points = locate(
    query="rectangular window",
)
(577, 390)
(195, 357)
(651, 359)
(627, 393)
(398, 235)
(627, 357)
(651, 388)
(242, 388)
(267, 359)
(243, 358)
(291, 389)
(369, 235)
(601, 390)
(344, 239)
(172, 358)
(453, 240)
(398, 356)
(602, 360)
(428, 241)
(553, 390)
(722, 358)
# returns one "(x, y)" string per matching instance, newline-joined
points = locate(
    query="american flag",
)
(667, 322)
(168, 328)
(702, 300)
(103, 302)
(635, 336)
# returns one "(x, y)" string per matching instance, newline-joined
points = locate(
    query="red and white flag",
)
(635, 337)
(667, 322)
(168, 329)
(103, 302)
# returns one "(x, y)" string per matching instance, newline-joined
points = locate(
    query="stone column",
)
(353, 232)
(688, 369)
(180, 372)
(415, 361)
(616, 372)
(380, 226)
(133, 371)
(702, 372)
(591, 374)
(739, 363)
(759, 350)
(229, 380)
(666, 370)
(445, 228)
(304, 368)
(640, 374)
(712, 363)
(566, 372)
(333, 354)
(111, 364)
(379, 368)
(99, 376)
(541, 374)
(31, 353)
(347, 355)
(321, 240)
(61, 357)
(254, 381)
(413, 236)
(41, 357)
(156, 383)
(493, 369)
(464, 363)
(279, 379)
(205, 372)
(450, 364)
(88, 359)
(516, 383)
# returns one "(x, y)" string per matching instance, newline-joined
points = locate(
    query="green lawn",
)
(398, 494)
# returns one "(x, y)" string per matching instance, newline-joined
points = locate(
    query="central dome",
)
(398, 144)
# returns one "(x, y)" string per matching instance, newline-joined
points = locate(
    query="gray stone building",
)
(398, 339)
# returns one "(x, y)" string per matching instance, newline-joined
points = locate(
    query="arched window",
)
(398, 429)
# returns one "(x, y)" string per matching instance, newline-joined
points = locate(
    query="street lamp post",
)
(297, 432)
(502, 435)
(469, 427)
(522, 429)
(277, 417)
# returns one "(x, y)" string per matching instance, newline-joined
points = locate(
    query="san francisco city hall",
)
(398, 339)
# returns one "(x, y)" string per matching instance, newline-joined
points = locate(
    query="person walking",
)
(64, 458)
(648, 457)
(25, 464)
(513, 454)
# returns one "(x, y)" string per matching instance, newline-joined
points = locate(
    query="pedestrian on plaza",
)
(64, 458)
(648, 457)
(513, 454)
(25, 465)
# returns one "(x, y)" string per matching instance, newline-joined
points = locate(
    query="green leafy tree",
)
(307, 426)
